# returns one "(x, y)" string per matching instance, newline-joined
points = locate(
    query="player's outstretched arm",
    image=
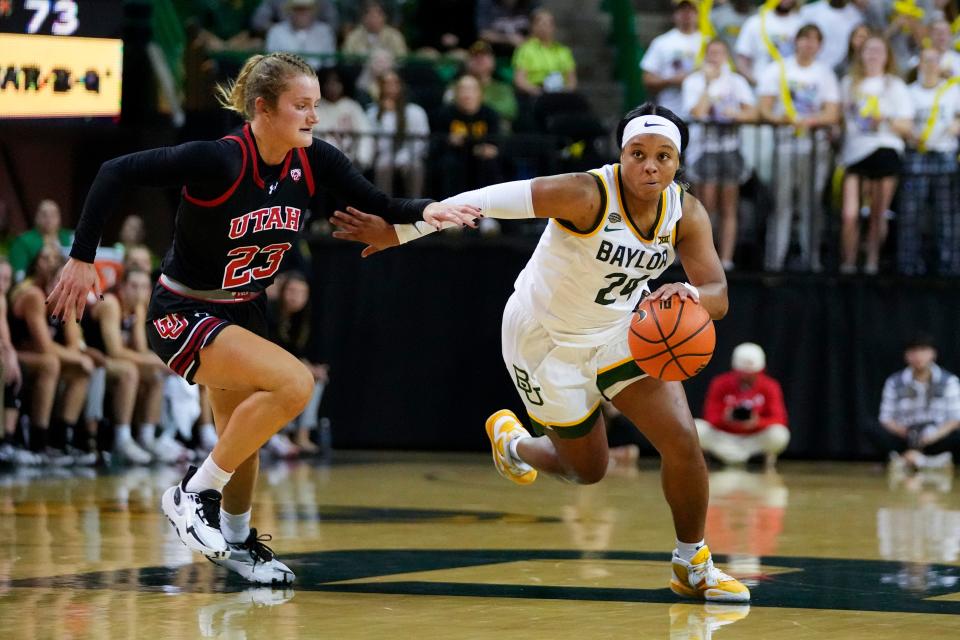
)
(574, 197)
(700, 262)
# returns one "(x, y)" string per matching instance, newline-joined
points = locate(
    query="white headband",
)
(651, 124)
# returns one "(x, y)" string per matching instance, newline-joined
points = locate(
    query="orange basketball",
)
(670, 339)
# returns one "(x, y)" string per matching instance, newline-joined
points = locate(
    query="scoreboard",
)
(60, 58)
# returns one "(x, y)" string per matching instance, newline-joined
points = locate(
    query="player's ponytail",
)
(262, 76)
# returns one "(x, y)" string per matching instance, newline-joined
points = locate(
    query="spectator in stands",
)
(802, 159)
(505, 24)
(342, 122)
(836, 20)
(541, 63)
(46, 229)
(468, 153)
(941, 39)
(920, 411)
(671, 57)
(858, 36)
(222, 26)
(779, 26)
(132, 232)
(270, 12)
(373, 33)
(743, 413)
(497, 95)
(877, 113)
(301, 33)
(929, 172)
(138, 257)
(401, 130)
(444, 27)
(290, 325)
(351, 13)
(12, 448)
(721, 99)
(48, 362)
(902, 30)
(379, 62)
(728, 19)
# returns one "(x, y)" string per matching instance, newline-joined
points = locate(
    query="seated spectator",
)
(48, 362)
(836, 20)
(379, 62)
(468, 153)
(270, 12)
(373, 33)
(497, 95)
(877, 113)
(779, 25)
(12, 449)
(444, 27)
(744, 414)
(139, 257)
(671, 56)
(301, 33)
(351, 12)
(222, 26)
(342, 122)
(505, 24)
(929, 173)
(728, 19)
(401, 129)
(920, 411)
(291, 327)
(721, 98)
(541, 63)
(46, 229)
(800, 150)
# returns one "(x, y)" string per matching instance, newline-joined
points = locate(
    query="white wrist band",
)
(408, 232)
(692, 289)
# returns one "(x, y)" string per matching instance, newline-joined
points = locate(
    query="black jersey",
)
(238, 217)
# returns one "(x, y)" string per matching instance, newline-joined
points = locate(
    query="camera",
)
(742, 412)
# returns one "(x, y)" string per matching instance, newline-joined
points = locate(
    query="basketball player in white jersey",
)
(613, 230)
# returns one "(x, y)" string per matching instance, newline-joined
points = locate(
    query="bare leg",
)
(660, 411)
(44, 370)
(74, 394)
(850, 234)
(582, 460)
(149, 396)
(278, 387)
(730, 196)
(125, 379)
(238, 493)
(881, 196)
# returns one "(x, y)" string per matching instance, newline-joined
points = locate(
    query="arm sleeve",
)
(334, 171)
(209, 166)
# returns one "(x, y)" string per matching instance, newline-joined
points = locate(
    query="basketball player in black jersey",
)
(244, 200)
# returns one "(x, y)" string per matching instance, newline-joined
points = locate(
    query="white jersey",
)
(582, 286)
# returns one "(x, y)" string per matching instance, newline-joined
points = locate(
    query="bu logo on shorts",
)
(170, 326)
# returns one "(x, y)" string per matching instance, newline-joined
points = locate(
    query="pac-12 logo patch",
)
(296, 174)
(170, 326)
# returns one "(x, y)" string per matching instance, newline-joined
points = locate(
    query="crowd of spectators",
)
(91, 392)
(860, 90)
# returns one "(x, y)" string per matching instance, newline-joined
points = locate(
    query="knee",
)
(777, 438)
(683, 441)
(294, 389)
(48, 365)
(591, 473)
(128, 374)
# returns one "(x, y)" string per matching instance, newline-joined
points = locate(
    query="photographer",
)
(744, 414)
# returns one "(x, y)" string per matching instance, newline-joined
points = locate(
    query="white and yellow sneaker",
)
(502, 428)
(700, 580)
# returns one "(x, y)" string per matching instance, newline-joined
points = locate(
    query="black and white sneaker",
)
(255, 561)
(196, 517)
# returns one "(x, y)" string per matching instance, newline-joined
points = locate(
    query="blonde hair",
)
(857, 71)
(262, 76)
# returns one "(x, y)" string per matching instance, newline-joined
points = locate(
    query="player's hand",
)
(77, 279)
(437, 213)
(358, 226)
(675, 289)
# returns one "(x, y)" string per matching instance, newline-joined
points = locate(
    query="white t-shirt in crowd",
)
(862, 134)
(780, 29)
(319, 38)
(948, 108)
(950, 62)
(413, 149)
(728, 92)
(836, 25)
(811, 87)
(670, 54)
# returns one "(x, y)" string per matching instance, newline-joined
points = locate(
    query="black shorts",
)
(882, 163)
(179, 327)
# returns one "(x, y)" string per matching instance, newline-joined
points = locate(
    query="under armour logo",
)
(272, 188)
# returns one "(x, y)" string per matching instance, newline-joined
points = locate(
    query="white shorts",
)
(562, 386)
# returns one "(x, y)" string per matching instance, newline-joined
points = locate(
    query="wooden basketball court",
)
(439, 546)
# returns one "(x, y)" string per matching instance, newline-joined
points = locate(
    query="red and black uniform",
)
(237, 219)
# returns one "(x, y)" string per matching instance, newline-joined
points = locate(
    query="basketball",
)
(671, 339)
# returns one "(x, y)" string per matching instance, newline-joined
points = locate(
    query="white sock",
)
(209, 476)
(514, 456)
(148, 434)
(686, 550)
(235, 528)
(122, 433)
